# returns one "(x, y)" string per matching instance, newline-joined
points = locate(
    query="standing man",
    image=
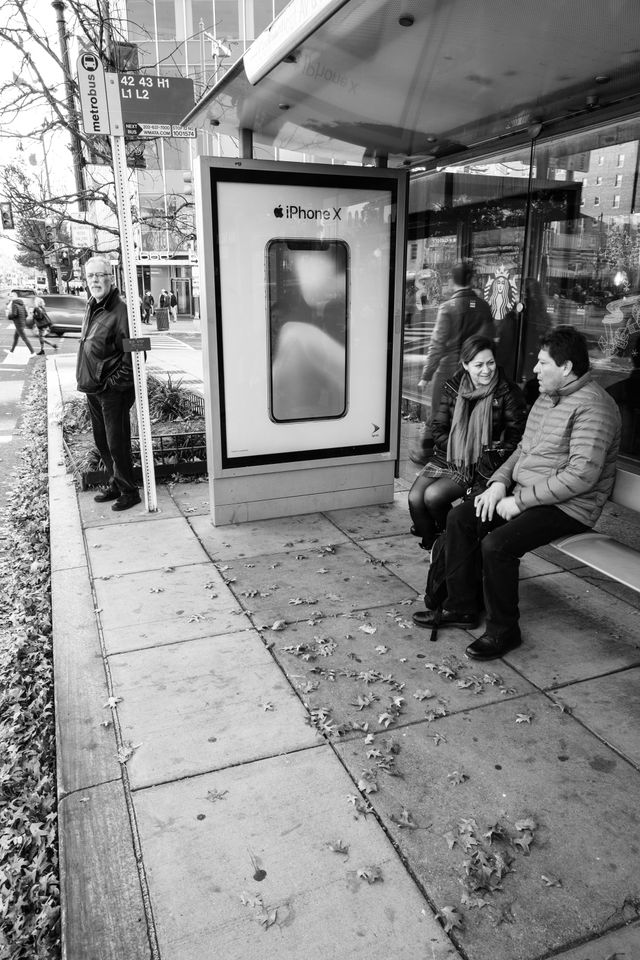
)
(555, 484)
(461, 316)
(105, 373)
(173, 305)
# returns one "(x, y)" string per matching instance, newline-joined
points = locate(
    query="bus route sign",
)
(150, 99)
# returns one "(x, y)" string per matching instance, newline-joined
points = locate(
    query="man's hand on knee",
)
(487, 501)
(508, 508)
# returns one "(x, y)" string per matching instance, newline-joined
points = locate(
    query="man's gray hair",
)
(100, 258)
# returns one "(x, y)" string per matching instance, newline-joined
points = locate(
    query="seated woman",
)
(481, 414)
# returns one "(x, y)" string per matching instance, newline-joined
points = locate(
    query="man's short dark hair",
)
(564, 343)
(462, 272)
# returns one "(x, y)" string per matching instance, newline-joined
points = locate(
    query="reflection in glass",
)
(554, 235)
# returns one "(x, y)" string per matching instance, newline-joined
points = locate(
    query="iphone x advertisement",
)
(304, 307)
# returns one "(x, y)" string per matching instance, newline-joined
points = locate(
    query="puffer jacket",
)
(567, 455)
(102, 363)
(508, 417)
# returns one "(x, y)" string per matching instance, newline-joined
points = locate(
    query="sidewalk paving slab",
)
(378, 669)
(609, 706)
(205, 840)
(80, 688)
(100, 514)
(167, 606)
(239, 541)
(148, 544)
(580, 795)
(229, 704)
(572, 630)
(313, 582)
(104, 916)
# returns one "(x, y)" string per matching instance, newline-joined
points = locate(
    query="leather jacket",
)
(102, 363)
(508, 417)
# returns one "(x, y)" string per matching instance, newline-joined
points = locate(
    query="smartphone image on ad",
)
(308, 319)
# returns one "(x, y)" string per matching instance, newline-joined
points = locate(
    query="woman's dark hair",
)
(474, 345)
(462, 272)
(564, 343)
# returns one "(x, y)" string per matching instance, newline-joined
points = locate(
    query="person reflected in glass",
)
(463, 315)
(478, 424)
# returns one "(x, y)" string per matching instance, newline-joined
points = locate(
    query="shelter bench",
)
(601, 552)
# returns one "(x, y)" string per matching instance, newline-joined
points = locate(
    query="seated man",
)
(554, 485)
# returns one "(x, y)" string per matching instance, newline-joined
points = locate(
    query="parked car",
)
(65, 311)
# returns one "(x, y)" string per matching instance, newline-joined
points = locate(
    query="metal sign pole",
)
(133, 305)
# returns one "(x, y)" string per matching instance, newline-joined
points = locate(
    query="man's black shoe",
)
(126, 500)
(487, 647)
(109, 493)
(448, 618)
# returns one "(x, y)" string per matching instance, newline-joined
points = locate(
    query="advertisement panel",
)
(304, 280)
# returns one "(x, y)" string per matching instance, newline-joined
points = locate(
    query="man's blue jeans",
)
(502, 543)
(112, 434)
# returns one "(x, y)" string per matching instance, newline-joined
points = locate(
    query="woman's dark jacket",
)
(508, 417)
(102, 363)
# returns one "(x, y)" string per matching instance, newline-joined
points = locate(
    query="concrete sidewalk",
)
(260, 756)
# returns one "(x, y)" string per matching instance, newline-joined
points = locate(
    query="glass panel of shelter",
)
(549, 246)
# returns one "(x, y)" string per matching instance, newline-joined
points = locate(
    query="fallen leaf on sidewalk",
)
(338, 846)
(524, 717)
(551, 881)
(450, 918)
(112, 701)
(370, 874)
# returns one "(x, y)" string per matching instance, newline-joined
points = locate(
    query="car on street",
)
(66, 312)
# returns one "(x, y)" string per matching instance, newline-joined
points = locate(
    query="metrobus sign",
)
(93, 94)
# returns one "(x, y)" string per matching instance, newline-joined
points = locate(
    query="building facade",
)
(197, 39)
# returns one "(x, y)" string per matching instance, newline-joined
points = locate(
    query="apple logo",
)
(277, 212)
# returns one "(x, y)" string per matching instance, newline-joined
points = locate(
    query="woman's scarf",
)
(470, 428)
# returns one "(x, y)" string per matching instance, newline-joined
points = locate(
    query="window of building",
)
(596, 201)
(201, 10)
(226, 19)
(618, 179)
(601, 160)
(140, 22)
(616, 200)
(598, 181)
(166, 19)
(621, 159)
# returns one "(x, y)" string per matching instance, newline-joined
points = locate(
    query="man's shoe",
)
(109, 493)
(487, 647)
(126, 500)
(447, 618)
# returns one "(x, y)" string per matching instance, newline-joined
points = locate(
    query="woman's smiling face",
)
(481, 368)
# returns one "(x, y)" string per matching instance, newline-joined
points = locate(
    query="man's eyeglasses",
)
(96, 276)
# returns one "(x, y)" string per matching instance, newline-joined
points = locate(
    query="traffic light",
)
(7, 216)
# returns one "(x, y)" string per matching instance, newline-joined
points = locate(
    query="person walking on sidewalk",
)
(104, 372)
(43, 322)
(17, 312)
(555, 484)
(173, 306)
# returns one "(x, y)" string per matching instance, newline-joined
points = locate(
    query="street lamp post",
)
(76, 146)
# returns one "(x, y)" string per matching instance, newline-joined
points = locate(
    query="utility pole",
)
(76, 146)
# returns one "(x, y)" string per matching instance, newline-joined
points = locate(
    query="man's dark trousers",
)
(112, 434)
(502, 543)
